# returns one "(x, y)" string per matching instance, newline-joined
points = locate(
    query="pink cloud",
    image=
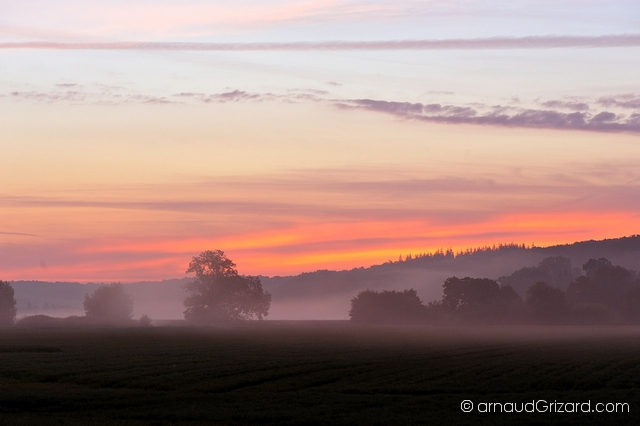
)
(189, 18)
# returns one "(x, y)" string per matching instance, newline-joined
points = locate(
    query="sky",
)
(305, 135)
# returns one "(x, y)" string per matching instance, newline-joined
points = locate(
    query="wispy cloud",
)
(534, 42)
(231, 96)
(585, 115)
(82, 96)
(106, 95)
(363, 194)
(628, 100)
(20, 234)
(50, 96)
(574, 106)
(603, 121)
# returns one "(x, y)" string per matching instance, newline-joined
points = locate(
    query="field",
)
(314, 373)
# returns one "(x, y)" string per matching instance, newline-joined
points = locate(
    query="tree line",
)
(551, 293)
(218, 294)
(604, 294)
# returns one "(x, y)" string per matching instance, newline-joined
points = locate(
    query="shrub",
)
(109, 303)
(145, 321)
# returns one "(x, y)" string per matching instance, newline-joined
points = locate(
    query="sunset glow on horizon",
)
(473, 124)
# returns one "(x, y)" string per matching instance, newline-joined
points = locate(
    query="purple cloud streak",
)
(604, 121)
(532, 42)
(629, 100)
(574, 106)
(583, 116)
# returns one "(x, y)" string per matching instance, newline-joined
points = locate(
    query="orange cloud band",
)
(310, 247)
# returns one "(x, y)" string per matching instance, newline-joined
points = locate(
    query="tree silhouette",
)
(469, 293)
(387, 307)
(557, 271)
(480, 300)
(219, 294)
(109, 303)
(603, 283)
(632, 305)
(546, 304)
(7, 304)
(611, 288)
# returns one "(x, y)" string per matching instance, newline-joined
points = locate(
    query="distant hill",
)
(326, 294)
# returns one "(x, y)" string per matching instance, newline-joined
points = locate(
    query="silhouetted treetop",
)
(592, 266)
(211, 264)
(479, 299)
(613, 287)
(464, 293)
(557, 271)
(387, 307)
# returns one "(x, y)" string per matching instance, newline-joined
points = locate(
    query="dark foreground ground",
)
(315, 373)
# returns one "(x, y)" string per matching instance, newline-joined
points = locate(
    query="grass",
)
(312, 373)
